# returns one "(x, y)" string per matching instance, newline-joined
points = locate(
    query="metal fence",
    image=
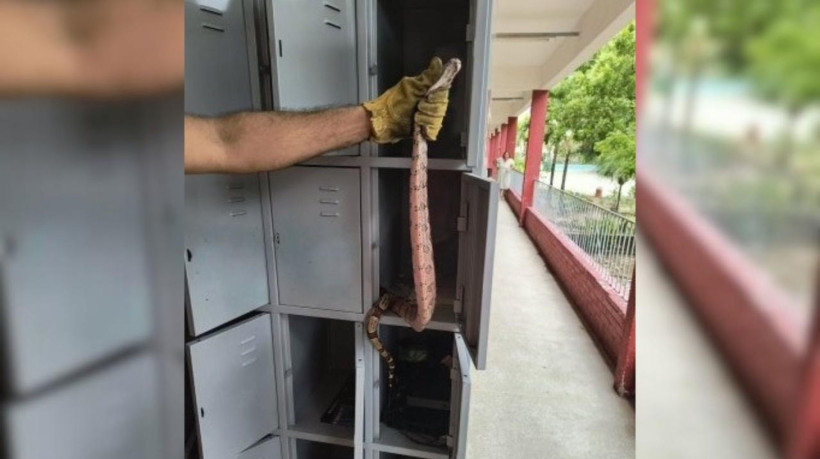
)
(607, 238)
(517, 181)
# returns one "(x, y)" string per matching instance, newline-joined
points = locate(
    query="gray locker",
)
(267, 449)
(73, 244)
(314, 48)
(477, 223)
(317, 237)
(225, 265)
(314, 55)
(113, 413)
(218, 75)
(234, 387)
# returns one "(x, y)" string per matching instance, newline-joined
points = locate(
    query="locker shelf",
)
(444, 317)
(313, 450)
(322, 359)
(393, 441)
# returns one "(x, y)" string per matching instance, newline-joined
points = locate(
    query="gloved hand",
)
(392, 113)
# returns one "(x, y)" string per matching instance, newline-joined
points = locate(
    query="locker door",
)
(477, 221)
(226, 272)
(477, 73)
(460, 401)
(234, 388)
(314, 53)
(72, 244)
(317, 237)
(225, 266)
(268, 449)
(112, 413)
(217, 69)
(314, 46)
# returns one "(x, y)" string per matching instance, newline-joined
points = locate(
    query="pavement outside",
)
(546, 392)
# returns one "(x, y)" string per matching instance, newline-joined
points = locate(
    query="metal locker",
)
(72, 245)
(217, 67)
(225, 266)
(460, 400)
(226, 271)
(268, 449)
(314, 48)
(113, 413)
(477, 222)
(234, 388)
(317, 237)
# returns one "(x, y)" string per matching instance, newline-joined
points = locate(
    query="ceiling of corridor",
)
(521, 64)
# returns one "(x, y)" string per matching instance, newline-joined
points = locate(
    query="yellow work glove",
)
(392, 113)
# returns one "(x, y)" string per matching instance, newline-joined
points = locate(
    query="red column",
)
(805, 434)
(512, 131)
(625, 369)
(535, 141)
(502, 141)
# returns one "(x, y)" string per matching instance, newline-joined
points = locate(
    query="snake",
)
(417, 312)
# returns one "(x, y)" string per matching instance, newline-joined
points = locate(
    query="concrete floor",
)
(546, 392)
(683, 385)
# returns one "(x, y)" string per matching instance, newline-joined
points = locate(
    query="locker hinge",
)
(461, 223)
(450, 442)
(464, 139)
(454, 374)
(470, 33)
(373, 70)
(264, 69)
(459, 300)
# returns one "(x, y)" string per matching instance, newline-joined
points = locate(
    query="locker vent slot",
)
(332, 7)
(213, 27)
(209, 9)
(333, 24)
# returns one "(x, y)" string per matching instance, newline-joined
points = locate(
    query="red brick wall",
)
(749, 320)
(600, 307)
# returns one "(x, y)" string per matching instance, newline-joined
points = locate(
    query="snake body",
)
(417, 313)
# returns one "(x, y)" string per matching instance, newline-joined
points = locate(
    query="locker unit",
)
(225, 265)
(335, 229)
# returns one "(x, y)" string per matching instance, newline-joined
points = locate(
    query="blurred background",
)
(729, 214)
(91, 179)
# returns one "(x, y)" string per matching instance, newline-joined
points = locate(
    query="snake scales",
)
(416, 312)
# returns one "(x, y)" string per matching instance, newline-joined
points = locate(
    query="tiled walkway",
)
(546, 392)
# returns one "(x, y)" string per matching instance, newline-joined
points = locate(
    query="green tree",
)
(785, 64)
(617, 159)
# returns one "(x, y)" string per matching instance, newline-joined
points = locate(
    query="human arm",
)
(91, 48)
(261, 141)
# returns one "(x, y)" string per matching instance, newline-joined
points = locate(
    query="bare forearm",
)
(262, 141)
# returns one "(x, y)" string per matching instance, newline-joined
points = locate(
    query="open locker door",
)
(476, 250)
(460, 400)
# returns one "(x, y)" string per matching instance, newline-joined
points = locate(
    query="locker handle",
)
(213, 27)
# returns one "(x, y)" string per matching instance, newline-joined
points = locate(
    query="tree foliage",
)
(596, 99)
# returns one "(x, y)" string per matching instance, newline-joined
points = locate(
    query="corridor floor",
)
(546, 392)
